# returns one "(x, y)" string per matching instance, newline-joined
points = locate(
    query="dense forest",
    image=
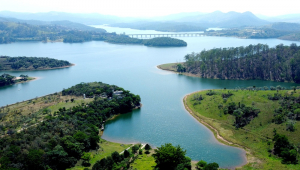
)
(64, 136)
(280, 63)
(30, 63)
(165, 41)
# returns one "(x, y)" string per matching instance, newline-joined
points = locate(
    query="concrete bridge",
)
(166, 35)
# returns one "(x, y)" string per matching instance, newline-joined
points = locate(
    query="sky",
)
(152, 8)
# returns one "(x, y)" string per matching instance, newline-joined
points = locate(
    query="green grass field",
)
(106, 149)
(169, 66)
(144, 161)
(257, 134)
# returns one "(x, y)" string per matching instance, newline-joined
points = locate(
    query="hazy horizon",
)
(148, 9)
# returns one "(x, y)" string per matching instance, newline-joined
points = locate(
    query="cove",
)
(163, 118)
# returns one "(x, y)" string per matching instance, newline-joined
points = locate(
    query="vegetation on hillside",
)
(249, 118)
(30, 63)
(62, 137)
(280, 63)
(12, 31)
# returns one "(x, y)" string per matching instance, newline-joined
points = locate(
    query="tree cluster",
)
(251, 62)
(289, 110)
(6, 79)
(284, 149)
(171, 157)
(243, 114)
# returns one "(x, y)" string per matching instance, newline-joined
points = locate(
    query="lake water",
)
(162, 119)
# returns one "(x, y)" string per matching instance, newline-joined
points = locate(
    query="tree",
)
(169, 157)
(211, 166)
(201, 164)
(100, 165)
(59, 159)
(116, 156)
(134, 149)
(35, 159)
(147, 147)
(126, 154)
(86, 159)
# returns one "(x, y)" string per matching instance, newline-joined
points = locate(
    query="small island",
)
(7, 79)
(154, 42)
(31, 63)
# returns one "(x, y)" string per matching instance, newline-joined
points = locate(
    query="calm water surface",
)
(162, 118)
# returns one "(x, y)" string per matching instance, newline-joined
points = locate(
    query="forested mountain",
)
(59, 139)
(64, 24)
(11, 32)
(31, 63)
(281, 63)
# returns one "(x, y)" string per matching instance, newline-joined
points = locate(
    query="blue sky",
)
(150, 8)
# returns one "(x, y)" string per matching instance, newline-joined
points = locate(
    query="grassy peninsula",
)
(7, 79)
(254, 119)
(31, 63)
(58, 130)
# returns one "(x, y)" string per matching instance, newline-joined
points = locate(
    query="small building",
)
(120, 92)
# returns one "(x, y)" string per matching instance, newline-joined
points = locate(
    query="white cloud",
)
(152, 7)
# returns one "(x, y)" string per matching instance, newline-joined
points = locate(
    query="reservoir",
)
(163, 118)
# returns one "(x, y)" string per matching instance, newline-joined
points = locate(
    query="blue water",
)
(162, 119)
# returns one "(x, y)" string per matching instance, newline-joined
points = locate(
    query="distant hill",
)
(230, 19)
(61, 23)
(294, 18)
(177, 16)
(83, 18)
(285, 26)
(162, 26)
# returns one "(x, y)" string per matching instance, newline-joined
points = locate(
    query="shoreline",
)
(196, 75)
(216, 133)
(43, 69)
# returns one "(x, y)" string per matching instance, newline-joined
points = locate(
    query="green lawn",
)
(144, 161)
(256, 134)
(106, 149)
